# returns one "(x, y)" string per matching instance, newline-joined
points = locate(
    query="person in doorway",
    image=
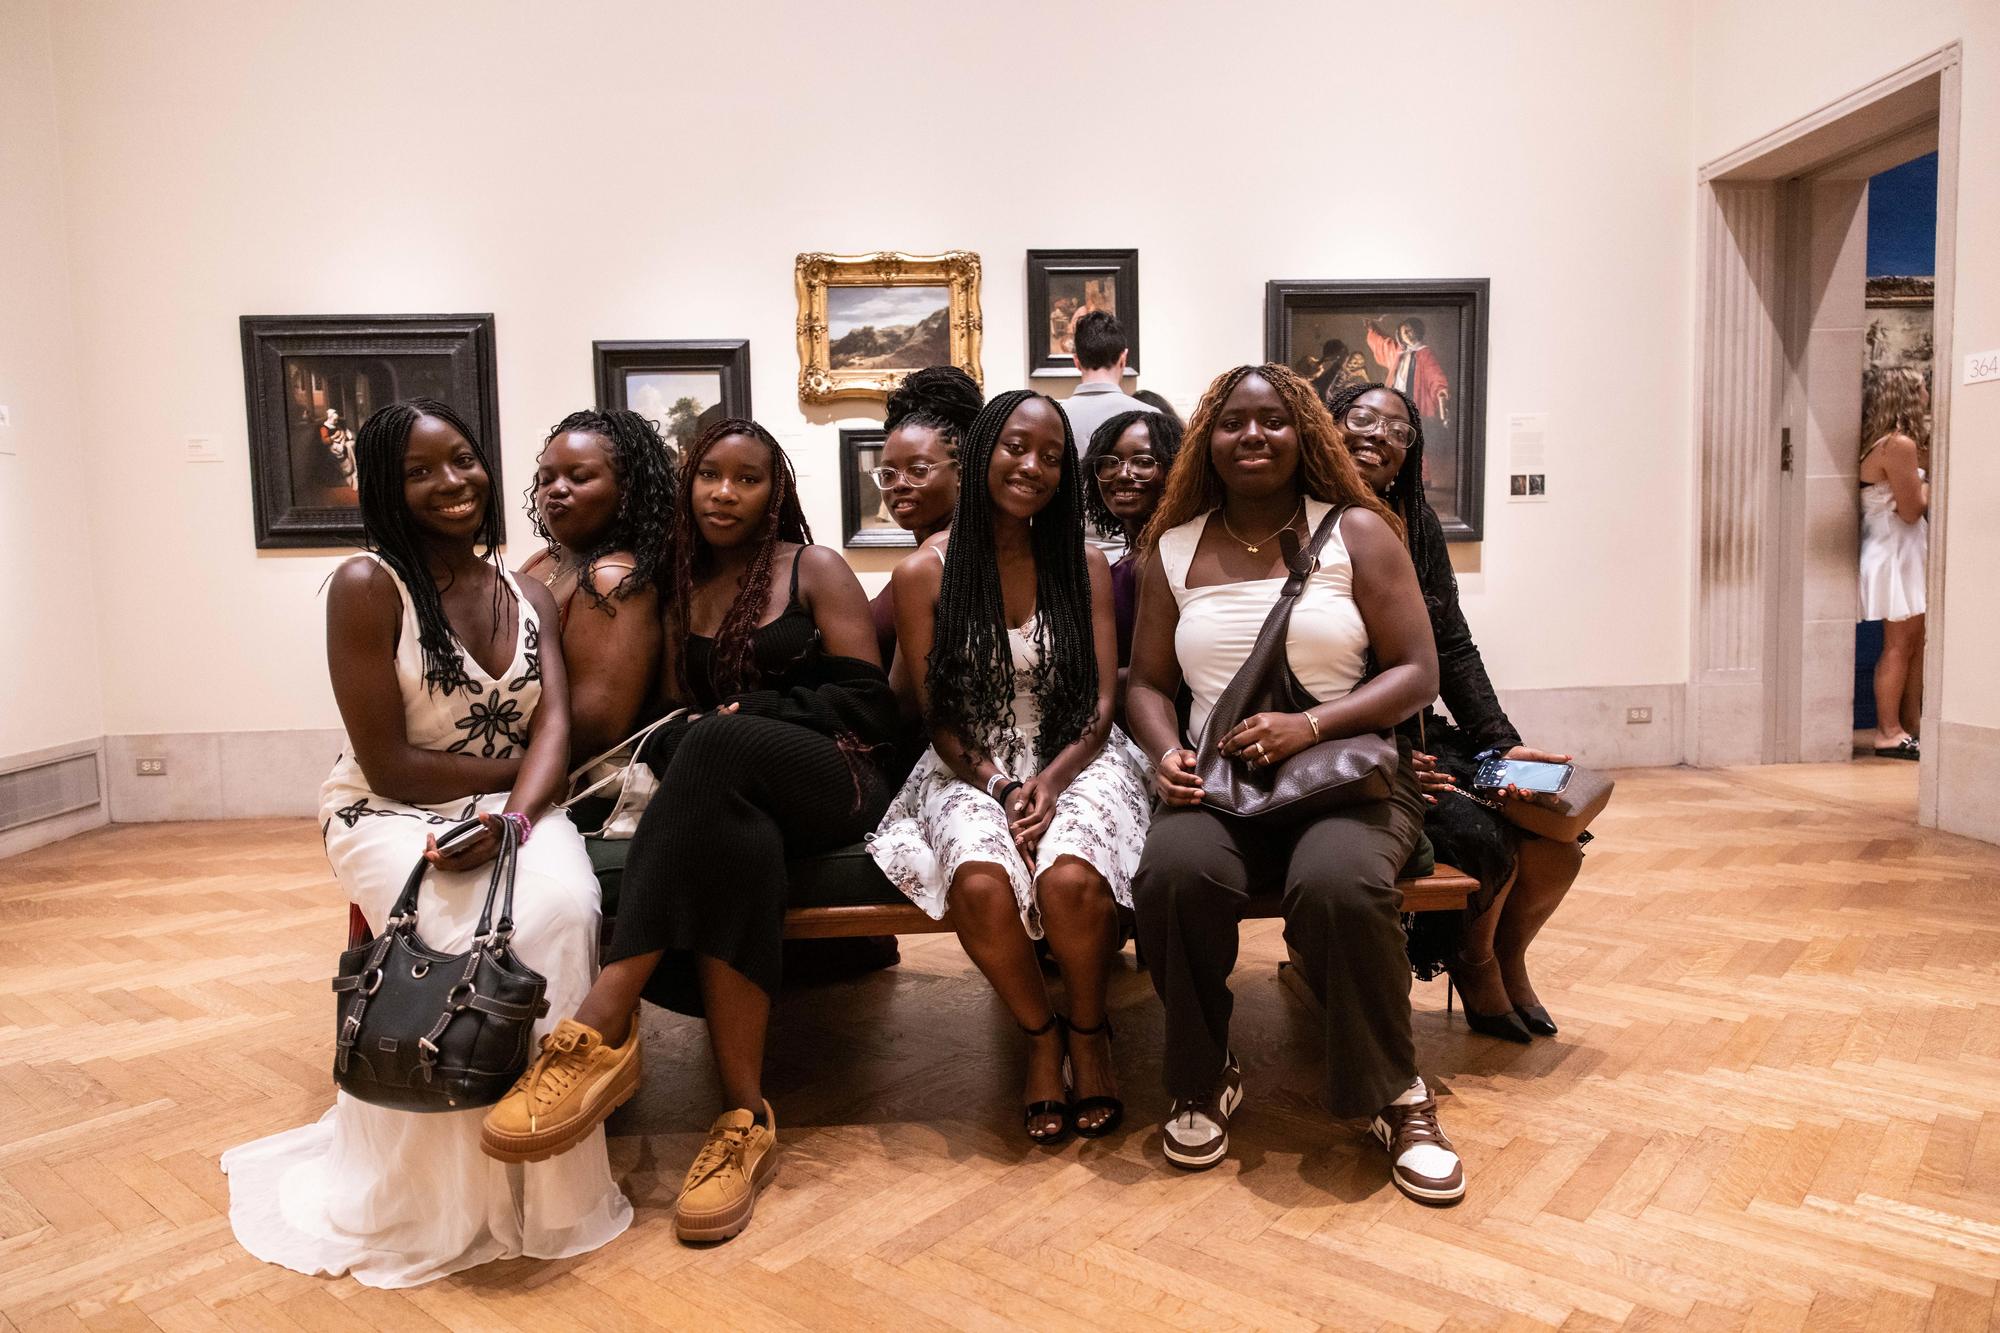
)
(1411, 367)
(1522, 878)
(1101, 351)
(769, 643)
(602, 501)
(1262, 459)
(1895, 540)
(455, 708)
(1025, 817)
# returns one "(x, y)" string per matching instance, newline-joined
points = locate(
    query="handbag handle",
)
(403, 915)
(635, 740)
(1301, 565)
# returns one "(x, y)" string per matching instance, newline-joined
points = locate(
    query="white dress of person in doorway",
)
(1895, 540)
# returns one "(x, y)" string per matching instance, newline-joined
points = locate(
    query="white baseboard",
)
(219, 774)
(1589, 723)
(1968, 779)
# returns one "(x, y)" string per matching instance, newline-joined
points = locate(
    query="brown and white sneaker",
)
(1422, 1161)
(1197, 1131)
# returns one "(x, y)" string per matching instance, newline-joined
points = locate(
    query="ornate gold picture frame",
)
(866, 321)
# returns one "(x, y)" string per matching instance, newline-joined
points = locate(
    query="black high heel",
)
(1083, 1105)
(1058, 1109)
(1506, 1025)
(1536, 1019)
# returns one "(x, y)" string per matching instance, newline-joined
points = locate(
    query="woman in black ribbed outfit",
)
(770, 644)
(1522, 878)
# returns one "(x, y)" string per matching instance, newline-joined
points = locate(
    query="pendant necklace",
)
(1251, 547)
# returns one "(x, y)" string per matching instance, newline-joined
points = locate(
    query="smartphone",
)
(1495, 772)
(458, 832)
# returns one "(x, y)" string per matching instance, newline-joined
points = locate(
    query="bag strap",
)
(503, 875)
(1301, 565)
(634, 740)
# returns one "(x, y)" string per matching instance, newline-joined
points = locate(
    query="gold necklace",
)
(1251, 547)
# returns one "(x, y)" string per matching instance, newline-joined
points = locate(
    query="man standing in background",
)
(1100, 354)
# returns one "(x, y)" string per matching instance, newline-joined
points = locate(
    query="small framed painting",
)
(1065, 285)
(864, 513)
(1423, 337)
(309, 381)
(681, 387)
(866, 321)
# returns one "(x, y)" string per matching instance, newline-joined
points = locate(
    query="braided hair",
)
(733, 670)
(970, 675)
(1326, 473)
(1423, 531)
(643, 465)
(1163, 435)
(391, 531)
(943, 398)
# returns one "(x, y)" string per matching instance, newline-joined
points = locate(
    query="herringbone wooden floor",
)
(1775, 1103)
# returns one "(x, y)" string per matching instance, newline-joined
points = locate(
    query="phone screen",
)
(1532, 776)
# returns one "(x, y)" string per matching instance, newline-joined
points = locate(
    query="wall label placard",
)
(1982, 366)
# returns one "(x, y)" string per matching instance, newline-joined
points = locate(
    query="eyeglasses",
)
(916, 473)
(1365, 419)
(1139, 467)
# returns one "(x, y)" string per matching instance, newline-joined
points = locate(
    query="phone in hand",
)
(1496, 772)
(459, 832)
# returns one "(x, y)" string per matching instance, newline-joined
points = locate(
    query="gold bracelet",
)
(1313, 722)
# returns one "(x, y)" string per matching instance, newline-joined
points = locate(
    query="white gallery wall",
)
(51, 691)
(1760, 66)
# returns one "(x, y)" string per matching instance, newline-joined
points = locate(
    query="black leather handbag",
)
(1333, 773)
(420, 1030)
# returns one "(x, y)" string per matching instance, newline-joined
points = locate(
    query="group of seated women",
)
(1055, 700)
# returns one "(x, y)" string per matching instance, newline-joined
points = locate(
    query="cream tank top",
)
(1327, 642)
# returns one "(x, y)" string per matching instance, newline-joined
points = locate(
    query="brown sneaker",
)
(720, 1191)
(565, 1093)
(1196, 1134)
(1422, 1161)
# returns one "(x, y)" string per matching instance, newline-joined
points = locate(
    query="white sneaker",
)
(1197, 1131)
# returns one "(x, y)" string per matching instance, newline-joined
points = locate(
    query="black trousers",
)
(738, 797)
(1342, 914)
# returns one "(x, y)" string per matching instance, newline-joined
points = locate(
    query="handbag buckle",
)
(463, 988)
(350, 1028)
(368, 986)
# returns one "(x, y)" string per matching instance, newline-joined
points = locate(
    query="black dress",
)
(796, 770)
(1464, 833)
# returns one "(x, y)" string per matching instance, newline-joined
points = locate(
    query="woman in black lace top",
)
(1522, 878)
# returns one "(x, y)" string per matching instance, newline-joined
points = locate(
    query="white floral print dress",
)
(938, 823)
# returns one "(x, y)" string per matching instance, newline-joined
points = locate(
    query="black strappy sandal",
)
(1058, 1109)
(1084, 1105)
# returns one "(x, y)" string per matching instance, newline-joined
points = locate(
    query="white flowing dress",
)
(397, 1198)
(1892, 557)
(938, 823)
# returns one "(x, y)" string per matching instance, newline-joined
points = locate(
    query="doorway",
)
(1783, 331)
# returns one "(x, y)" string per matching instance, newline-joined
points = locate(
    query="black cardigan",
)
(1462, 679)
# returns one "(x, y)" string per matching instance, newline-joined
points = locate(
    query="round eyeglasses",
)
(1365, 419)
(1139, 467)
(916, 473)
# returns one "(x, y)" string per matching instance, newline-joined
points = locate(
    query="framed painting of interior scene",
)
(866, 321)
(864, 512)
(1065, 285)
(681, 387)
(309, 381)
(1426, 338)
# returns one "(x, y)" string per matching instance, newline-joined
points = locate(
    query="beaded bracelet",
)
(523, 826)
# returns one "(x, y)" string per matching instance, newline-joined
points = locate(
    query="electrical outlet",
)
(152, 768)
(1638, 715)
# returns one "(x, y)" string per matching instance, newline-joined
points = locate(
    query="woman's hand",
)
(723, 711)
(1031, 808)
(471, 851)
(1431, 780)
(1263, 739)
(1531, 756)
(1174, 778)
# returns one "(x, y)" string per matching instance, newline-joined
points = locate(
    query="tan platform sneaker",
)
(566, 1092)
(720, 1191)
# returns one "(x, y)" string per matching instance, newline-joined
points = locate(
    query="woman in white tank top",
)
(1262, 458)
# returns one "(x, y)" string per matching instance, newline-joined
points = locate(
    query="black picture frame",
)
(1457, 453)
(295, 366)
(1045, 266)
(613, 364)
(861, 449)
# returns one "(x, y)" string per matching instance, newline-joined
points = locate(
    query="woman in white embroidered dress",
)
(455, 707)
(1026, 816)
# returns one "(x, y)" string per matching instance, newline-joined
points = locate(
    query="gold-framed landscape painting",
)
(866, 321)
